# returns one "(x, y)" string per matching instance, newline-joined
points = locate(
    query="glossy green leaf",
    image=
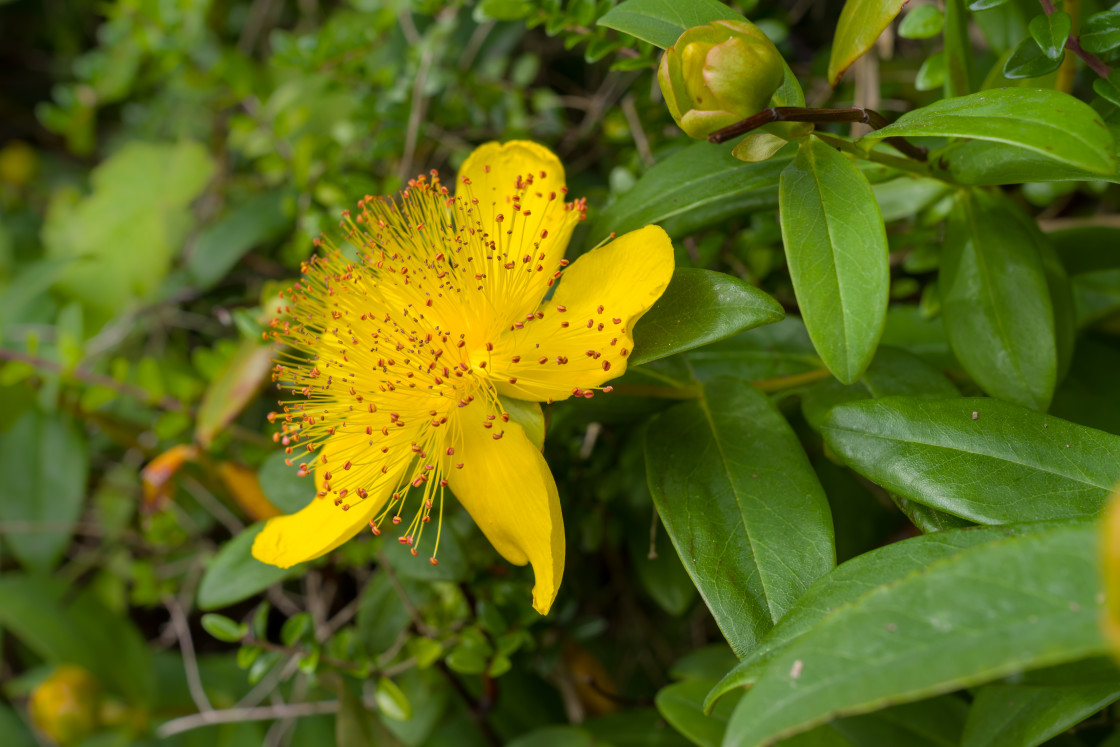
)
(234, 574)
(861, 22)
(770, 352)
(698, 307)
(1008, 464)
(1029, 60)
(735, 491)
(1052, 124)
(923, 22)
(1051, 30)
(995, 300)
(660, 22)
(836, 248)
(1018, 603)
(682, 705)
(987, 163)
(1041, 705)
(1100, 33)
(700, 185)
(45, 490)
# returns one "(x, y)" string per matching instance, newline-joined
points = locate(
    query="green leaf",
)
(1100, 33)
(923, 22)
(13, 732)
(879, 568)
(932, 73)
(733, 488)
(1051, 32)
(1041, 705)
(699, 307)
(836, 247)
(234, 387)
(660, 22)
(45, 490)
(234, 574)
(1029, 60)
(995, 300)
(861, 22)
(681, 704)
(1008, 464)
(219, 247)
(124, 235)
(960, 72)
(282, 484)
(1018, 603)
(660, 573)
(986, 163)
(391, 700)
(770, 352)
(224, 629)
(295, 627)
(698, 186)
(1049, 123)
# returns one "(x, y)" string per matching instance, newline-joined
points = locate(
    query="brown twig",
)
(805, 114)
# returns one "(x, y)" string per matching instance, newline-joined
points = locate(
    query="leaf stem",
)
(804, 114)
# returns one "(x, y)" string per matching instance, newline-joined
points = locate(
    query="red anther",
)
(396, 520)
(433, 561)
(600, 309)
(513, 380)
(374, 529)
(563, 263)
(327, 475)
(517, 359)
(450, 450)
(624, 352)
(346, 466)
(606, 365)
(489, 346)
(424, 519)
(616, 320)
(496, 436)
(345, 506)
(608, 389)
(443, 483)
(543, 360)
(369, 430)
(459, 465)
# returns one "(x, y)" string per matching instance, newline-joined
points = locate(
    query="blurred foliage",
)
(164, 167)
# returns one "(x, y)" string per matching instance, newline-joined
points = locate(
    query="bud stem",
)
(805, 114)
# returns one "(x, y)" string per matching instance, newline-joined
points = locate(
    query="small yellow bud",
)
(718, 74)
(65, 706)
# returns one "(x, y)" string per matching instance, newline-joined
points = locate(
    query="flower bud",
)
(65, 706)
(718, 74)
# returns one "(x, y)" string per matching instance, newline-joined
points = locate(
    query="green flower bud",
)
(718, 74)
(65, 706)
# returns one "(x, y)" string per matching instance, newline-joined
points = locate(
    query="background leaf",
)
(234, 574)
(861, 22)
(660, 22)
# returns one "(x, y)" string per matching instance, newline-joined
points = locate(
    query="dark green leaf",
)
(44, 492)
(733, 487)
(773, 351)
(1025, 602)
(982, 459)
(555, 736)
(1054, 125)
(660, 571)
(1051, 31)
(698, 307)
(1028, 60)
(923, 22)
(836, 247)
(1089, 395)
(861, 22)
(1041, 705)
(985, 163)
(1101, 32)
(995, 300)
(660, 22)
(698, 186)
(234, 574)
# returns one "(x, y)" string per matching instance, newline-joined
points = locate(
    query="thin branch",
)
(804, 114)
(259, 713)
(166, 402)
(641, 142)
(186, 645)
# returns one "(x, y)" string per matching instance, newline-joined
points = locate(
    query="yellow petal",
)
(515, 193)
(506, 486)
(322, 526)
(603, 294)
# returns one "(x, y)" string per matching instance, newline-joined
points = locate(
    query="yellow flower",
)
(401, 357)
